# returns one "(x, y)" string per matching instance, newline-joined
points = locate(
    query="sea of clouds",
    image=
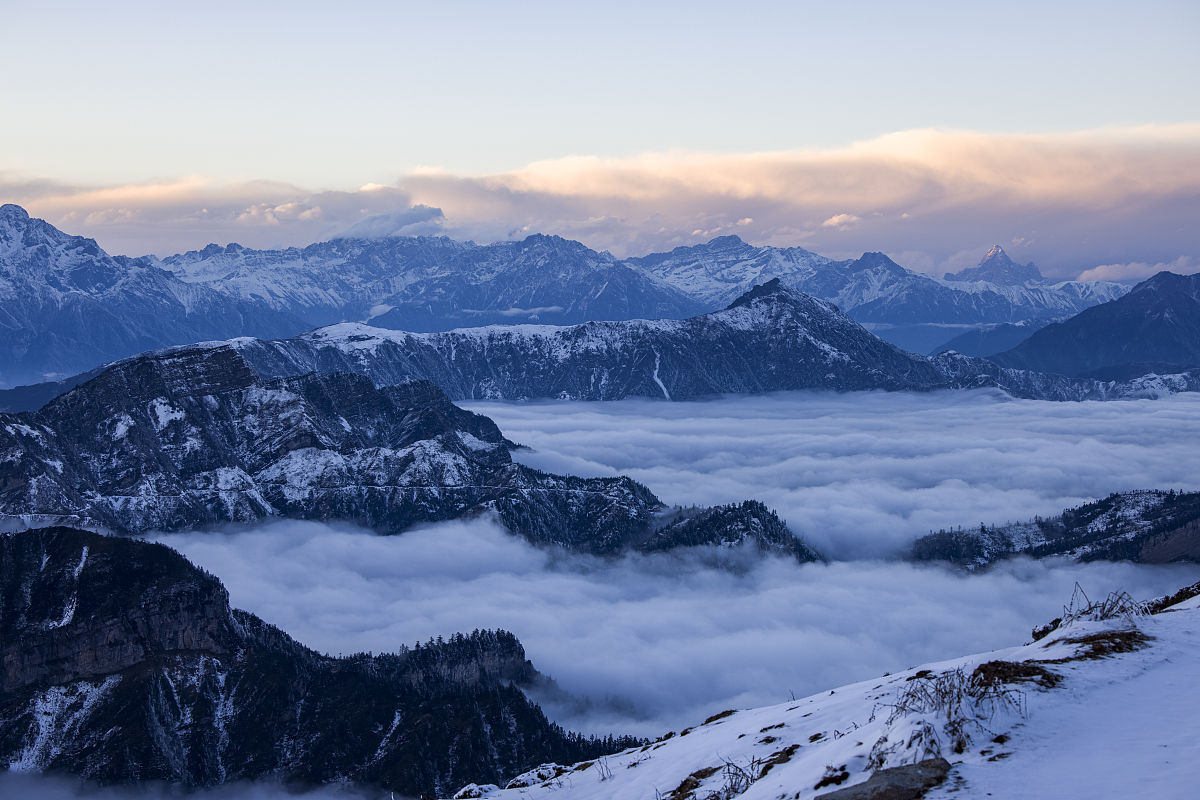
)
(649, 643)
(644, 643)
(863, 474)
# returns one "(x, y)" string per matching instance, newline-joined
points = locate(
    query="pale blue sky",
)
(336, 95)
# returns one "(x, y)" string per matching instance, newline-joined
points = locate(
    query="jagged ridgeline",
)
(67, 306)
(193, 437)
(123, 662)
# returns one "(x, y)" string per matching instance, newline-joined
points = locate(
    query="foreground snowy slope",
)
(1094, 708)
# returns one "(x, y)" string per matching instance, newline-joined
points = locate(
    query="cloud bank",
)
(865, 473)
(933, 199)
(649, 643)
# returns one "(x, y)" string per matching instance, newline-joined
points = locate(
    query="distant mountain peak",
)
(999, 268)
(873, 259)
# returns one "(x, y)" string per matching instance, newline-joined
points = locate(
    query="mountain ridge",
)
(1157, 324)
(194, 438)
(71, 306)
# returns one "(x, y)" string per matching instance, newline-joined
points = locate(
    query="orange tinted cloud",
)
(1069, 201)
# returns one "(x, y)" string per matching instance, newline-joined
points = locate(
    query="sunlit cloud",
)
(841, 221)
(1069, 202)
(1136, 271)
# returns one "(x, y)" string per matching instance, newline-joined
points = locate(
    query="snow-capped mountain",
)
(770, 339)
(722, 270)
(66, 305)
(1153, 328)
(998, 267)
(873, 288)
(124, 664)
(435, 283)
(191, 437)
(1150, 527)
(1094, 707)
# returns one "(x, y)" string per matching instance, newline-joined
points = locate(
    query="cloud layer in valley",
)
(650, 643)
(863, 474)
(933, 199)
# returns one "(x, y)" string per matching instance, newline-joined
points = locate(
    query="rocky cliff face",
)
(123, 663)
(193, 437)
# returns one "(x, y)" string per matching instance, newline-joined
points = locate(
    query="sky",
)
(1067, 132)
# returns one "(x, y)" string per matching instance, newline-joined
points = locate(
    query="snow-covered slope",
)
(718, 272)
(1098, 707)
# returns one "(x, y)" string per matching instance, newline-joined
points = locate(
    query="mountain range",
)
(909, 309)
(193, 438)
(770, 339)
(1153, 328)
(67, 307)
